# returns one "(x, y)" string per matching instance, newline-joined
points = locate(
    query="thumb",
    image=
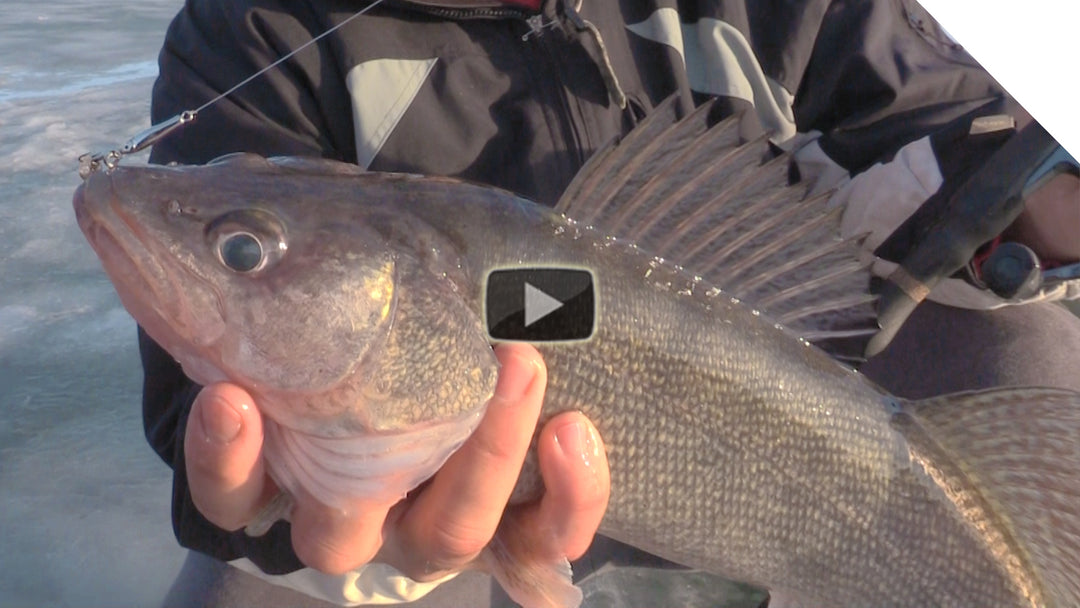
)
(577, 486)
(223, 454)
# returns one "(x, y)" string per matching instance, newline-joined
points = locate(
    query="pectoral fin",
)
(529, 578)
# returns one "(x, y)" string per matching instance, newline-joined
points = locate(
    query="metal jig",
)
(91, 162)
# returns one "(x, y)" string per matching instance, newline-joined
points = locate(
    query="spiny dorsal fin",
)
(590, 186)
(724, 210)
(1020, 449)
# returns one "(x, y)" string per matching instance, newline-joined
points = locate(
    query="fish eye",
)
(240, 251)
(247, 241)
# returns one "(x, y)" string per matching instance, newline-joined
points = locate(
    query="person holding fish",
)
(869, 98)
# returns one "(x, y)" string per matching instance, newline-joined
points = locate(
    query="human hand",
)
(439, 529)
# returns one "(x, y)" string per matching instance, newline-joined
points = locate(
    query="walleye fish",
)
(350, 305)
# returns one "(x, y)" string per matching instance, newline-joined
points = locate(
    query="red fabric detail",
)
(985, 251)
(981, 255)
(532, 5)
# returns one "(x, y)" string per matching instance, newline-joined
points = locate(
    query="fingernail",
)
(220, 420)
(575, 441)
(512, 387)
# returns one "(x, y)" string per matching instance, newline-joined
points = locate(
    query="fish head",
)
(257, 273)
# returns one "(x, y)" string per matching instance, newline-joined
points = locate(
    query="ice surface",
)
(84, 502)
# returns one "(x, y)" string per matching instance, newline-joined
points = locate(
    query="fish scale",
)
(811, 456)
(735, 446)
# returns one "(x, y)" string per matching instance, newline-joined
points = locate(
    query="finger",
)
(454, 518)
(334, 541)
(222, 447)
(577, 486)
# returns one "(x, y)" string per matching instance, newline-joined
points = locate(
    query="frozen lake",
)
(84, 502)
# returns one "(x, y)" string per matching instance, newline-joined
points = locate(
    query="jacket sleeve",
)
(882, 74)
(873, 98)
(908, 116)
(299, 107)
(859, 78)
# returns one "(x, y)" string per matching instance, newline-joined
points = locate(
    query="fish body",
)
(735, 446)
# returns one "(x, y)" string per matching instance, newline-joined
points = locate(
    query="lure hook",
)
(94, 161)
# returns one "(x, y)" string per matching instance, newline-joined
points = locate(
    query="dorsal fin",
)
(315, 165)
(593, 184)
(724, 210)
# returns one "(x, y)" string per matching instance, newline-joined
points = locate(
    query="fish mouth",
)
(117, 245)
(120, 263)
(147, 288)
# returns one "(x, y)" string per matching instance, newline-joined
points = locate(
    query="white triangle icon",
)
(538, 304)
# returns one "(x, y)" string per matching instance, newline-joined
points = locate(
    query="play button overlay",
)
(540, 304)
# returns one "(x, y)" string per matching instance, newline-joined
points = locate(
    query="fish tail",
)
(531, 577)
(1019, 449)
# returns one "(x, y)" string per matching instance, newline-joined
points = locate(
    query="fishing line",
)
(91, 162)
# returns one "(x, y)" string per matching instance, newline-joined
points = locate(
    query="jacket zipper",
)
(537, 22)
(566, 117)
(461, 14)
